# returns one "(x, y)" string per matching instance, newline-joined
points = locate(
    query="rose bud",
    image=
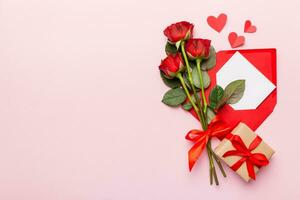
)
(197, 48)
(179, 31)
(172, 65)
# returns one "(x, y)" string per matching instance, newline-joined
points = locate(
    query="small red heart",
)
(249, 28)
(217, 23)
(235, 40)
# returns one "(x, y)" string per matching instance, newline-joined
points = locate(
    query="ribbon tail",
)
(195, 152)
(250, 168)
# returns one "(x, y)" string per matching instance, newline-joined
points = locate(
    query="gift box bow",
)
(251, 159)
(219, 129)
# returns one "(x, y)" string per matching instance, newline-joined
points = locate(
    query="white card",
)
(258, 87)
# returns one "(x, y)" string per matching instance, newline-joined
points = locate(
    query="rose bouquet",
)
(185, 71)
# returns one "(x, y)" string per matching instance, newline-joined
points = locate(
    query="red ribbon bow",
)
(251, 159)
(216, 128)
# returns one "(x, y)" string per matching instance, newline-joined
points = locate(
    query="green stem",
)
(212, 171)
(212, 154)
(179, 76)
(199, 111)
(217, 160)
(210, 174)
(213, 174)
(202, 119)
(198, 61)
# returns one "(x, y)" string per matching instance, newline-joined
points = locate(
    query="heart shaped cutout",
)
(249, 28)
(217, 23)
(235, 40)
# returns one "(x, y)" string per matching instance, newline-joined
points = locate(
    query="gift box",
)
(244, 151)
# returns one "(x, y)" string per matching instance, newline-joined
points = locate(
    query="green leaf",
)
(234, 91)
(196, 78)
(174, 97)
(170, 48)
(209, 63)
(206, 79)
(216, 95)
(193, 64)
(172, 83)
(187, 106)
(210, 115)
(186, 80)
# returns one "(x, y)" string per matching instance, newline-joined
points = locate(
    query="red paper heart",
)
(217, 23)
(249, 28)
(235, 40)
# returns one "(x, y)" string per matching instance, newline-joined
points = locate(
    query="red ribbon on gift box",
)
(216, 128)
(251, 159)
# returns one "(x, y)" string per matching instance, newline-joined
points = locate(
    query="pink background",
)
(80, 111)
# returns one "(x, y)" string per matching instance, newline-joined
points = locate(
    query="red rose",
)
(179, 31)
(198, 48)
(172, 65)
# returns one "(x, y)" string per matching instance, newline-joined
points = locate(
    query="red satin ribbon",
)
(251, 159)
(216, 128)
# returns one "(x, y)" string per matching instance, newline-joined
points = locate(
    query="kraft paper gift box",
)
(247, 136)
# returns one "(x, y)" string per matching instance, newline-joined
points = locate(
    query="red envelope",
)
(264, 60)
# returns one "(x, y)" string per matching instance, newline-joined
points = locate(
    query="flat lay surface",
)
(81, 116)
